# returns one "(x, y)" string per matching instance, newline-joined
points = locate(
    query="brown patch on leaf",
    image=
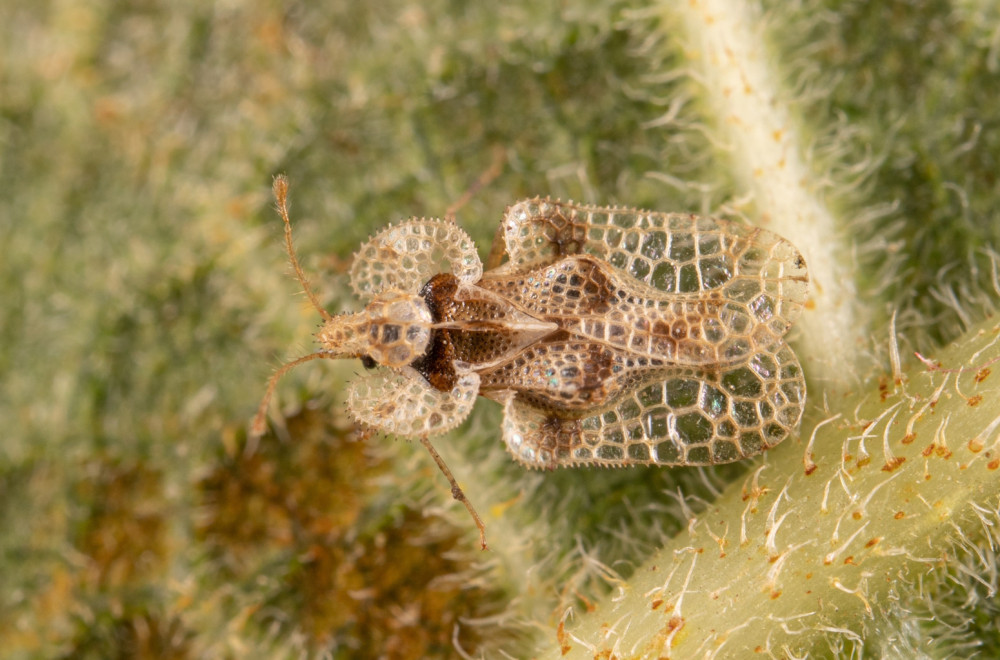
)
(124, 533)
(338, 566)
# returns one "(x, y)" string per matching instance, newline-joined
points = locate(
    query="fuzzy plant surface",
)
(147, 298)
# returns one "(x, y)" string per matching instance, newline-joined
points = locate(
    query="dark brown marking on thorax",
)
(439, 294)
(437, 365)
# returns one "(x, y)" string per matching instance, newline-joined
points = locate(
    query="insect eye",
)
(390, 334)
(367, 362)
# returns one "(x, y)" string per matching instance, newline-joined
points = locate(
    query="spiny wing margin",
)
(682, 417)
(406, 255)
(403, 403)
(672, 252)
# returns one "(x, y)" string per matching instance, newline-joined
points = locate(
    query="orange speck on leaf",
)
(893, 463)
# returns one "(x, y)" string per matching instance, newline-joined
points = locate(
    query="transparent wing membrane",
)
(403, 403)
(597, 302)
(406, 255)
(681, 417)
(673, 253)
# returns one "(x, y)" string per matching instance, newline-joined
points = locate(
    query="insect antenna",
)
(456, 490)
(280, 189)
(260, 419)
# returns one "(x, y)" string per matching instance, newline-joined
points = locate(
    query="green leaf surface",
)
(146, 298)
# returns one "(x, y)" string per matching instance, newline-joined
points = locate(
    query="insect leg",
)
(456, 490)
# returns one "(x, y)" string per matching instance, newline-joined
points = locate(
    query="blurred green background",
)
(146, 295)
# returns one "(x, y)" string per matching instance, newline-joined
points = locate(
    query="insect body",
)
(610, 336)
